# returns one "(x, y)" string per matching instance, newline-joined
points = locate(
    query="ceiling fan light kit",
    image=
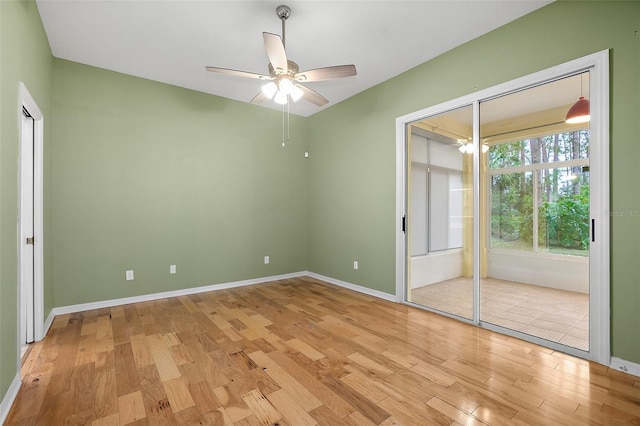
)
(284, 75)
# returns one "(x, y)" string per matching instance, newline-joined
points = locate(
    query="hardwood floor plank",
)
(302, 352)
(162, 358)
(140, 349)
(127, 379)
(131, 408)
(298, 371)
(370, 410)
(232, 404)
(203, 396)
(104, 334)
(265, 413)
(178, 395)
(360, 383)
(453, 413)
(82, 386)
(292, 411)
(305, 349)
(295, 389)
(112, 420)
(406, 414)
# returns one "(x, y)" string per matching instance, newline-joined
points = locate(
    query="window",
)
(551, 173)
(437, 188)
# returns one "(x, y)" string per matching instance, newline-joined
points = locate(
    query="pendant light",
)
(579, 112)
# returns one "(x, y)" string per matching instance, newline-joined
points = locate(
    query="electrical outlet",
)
(172, 269)
(266, 260)
(129, 275)
(355, 264)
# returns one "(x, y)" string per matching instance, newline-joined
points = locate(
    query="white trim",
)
(48, 322)
(70, 309)
(26, 100)
(9, 398)
(354, 287)
(401, 208)
(600, 271)
(598, 65)
(625, 366)
(173, 293)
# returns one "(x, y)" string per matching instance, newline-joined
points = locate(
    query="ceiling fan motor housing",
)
(292, 69)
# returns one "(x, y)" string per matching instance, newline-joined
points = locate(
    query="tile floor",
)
(556, 315)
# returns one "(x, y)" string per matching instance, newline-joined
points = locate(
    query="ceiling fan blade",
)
(313, 96)
(327, 73)
(238, 73)
(275, 51)
(259, 98)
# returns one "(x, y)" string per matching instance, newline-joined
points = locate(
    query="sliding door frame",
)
(599, 275)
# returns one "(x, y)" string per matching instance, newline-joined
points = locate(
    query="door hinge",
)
(404, 224)
(31, 240)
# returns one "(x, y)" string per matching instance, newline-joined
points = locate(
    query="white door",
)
(26, 229)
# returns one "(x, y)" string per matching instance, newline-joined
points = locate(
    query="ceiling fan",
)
(285, 78)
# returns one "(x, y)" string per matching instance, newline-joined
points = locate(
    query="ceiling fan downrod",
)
(283, 12)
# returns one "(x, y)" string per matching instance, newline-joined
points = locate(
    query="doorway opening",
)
(501, 199)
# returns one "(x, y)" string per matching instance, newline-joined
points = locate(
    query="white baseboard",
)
(47, 323)
(625, 366)
(9, 397)
(155, 296)
(354, 287)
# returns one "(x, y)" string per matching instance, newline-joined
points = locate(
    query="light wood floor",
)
(302, 352)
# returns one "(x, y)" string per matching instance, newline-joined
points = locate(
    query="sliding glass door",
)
(502, 199)
(440, 218)
(535, 185)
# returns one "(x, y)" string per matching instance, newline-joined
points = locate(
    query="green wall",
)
(352, 145)
(147, 175)
(24, 56)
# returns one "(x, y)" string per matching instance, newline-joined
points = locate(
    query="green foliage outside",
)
(562, 215)
(566, 222)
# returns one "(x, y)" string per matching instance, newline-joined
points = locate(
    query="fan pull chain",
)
(283, 125)
(288, 134)
(288, 122)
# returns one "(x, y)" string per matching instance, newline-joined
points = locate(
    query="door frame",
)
(599, 275)
(26, 101)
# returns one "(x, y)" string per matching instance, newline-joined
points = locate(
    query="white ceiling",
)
(171, 41)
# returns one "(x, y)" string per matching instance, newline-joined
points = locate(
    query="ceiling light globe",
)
(296, 93)
(286, 86)
(470, 148)
(280, 98)
(269, 89)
